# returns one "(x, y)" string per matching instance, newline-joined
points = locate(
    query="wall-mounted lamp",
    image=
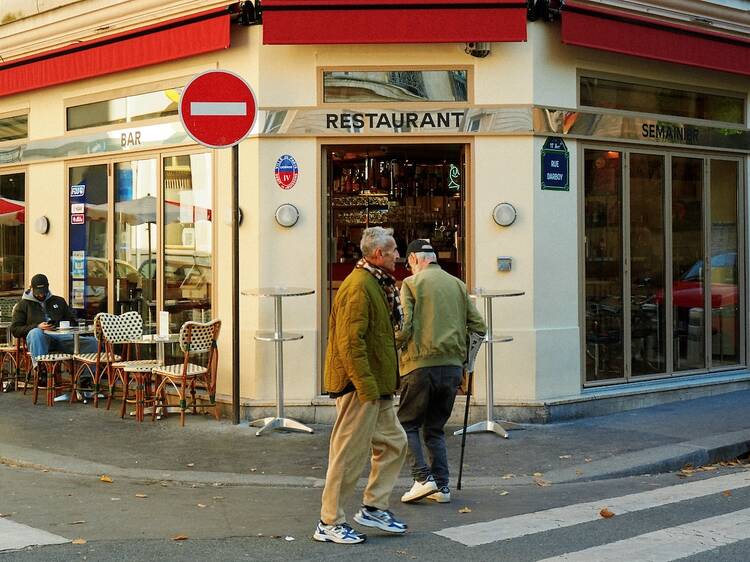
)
(287, 215)
(41, 225)
(504, 214)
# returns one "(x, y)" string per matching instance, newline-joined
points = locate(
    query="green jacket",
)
(361, 345)
(438, 313)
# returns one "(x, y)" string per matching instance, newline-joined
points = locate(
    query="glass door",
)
(136, 186)
(88, 196)
(12, 234)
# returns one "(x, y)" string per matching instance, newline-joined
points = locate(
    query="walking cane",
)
(463, 435)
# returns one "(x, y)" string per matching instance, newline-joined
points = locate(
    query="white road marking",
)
(14, 536)
(669, 544)
(218, 108)
(557, 518)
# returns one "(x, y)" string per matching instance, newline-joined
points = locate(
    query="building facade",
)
(594, 156)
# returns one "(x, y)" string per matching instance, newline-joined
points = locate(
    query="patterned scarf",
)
(388, 283)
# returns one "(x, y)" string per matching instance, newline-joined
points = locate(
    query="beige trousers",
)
(362, 429)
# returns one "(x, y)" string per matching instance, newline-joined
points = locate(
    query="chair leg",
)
(35, 385)
(192, 397)
(125, 393)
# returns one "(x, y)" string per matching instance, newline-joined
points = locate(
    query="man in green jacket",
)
(361, 372)
(438, 314)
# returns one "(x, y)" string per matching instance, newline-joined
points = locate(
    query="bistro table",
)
(490, 424)
(278, 337)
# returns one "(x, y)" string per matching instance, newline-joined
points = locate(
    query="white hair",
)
(426, 256)
(373, 238)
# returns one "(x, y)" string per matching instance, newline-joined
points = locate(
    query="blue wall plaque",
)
(555, 165)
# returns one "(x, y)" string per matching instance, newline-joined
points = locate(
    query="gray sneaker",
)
(420, 490)
(381, 519)
(341, 534)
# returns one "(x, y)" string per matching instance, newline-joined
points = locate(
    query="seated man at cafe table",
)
(37, 317)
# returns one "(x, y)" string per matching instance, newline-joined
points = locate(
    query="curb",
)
(667, 458)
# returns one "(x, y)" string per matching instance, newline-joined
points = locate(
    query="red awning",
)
(176, 39)
(327, 22)
(621, 32)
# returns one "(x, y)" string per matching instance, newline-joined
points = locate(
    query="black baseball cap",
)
(419, 245)
(39, 281)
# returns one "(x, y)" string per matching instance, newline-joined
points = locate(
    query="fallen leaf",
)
(726, 493)
(606, 513)
(507, 476)
(542, 482)
(538, 474)
(45, 470)
(289, 539)
(503, 493)
(201, 505)
(587, 460)
(115, 499)
(79, 540)
(105, 478)
(190, 464)
(579, 472)
(81, 522)
(180, 538)
(253, 469)
(565, 456)
(465, 510)
(218, 497)
(141, 495)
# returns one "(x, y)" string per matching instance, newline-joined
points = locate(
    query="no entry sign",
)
(217, 108)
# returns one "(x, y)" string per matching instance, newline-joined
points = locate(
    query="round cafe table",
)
(278, 337)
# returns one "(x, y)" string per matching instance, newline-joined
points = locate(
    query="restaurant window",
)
(188, 238)
(663, 292)
(677, 102)
(395, 86)
(14, 128)
(128, 109)
(12, 235)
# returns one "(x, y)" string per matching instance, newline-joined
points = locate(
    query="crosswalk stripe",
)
(557, 518)
(14, 536)
(669, 544)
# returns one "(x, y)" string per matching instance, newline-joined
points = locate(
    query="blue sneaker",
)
(380, 519)
(341, 534)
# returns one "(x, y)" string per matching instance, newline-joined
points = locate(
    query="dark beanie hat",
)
(39, 281)
(419, 245)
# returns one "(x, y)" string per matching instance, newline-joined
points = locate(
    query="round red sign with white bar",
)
(217, 108)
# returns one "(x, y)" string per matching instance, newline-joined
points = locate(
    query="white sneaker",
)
(341, 534)
(443, 495)
(420, 490)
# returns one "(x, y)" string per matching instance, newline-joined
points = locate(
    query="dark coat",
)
(28, 314)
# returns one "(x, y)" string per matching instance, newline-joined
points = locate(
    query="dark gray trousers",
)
(427, 397)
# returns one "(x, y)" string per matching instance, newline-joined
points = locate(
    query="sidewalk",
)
(82, 440)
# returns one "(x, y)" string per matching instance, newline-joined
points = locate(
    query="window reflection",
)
(403, 85)
(12, 219)
(124, 110)
(188, 238)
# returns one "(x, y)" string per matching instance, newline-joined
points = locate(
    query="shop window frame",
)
(321, 70)
(16, 113)
(583, 73)
(26, 228)
(743, 222)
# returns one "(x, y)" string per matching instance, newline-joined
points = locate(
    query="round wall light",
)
(504, 214)
(41, 225)
(287, 215)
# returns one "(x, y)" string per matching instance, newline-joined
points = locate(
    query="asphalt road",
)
(130, 520)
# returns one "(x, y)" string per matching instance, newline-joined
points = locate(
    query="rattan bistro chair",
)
(10, 352)
(126, 330)
(95, 364)
(196, 339)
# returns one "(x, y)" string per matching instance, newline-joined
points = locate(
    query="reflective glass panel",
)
(688, 289)
(87, 240)
(188, 238)
(135, 239)
(725, 294)
(124, 110)
(13, 128)
(647, 247)
(679, 102)
(603, 264)
(400, 85)
(12, 219)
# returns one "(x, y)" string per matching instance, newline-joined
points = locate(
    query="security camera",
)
(479, 49)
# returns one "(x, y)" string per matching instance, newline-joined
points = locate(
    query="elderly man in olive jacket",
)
(361, 372)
